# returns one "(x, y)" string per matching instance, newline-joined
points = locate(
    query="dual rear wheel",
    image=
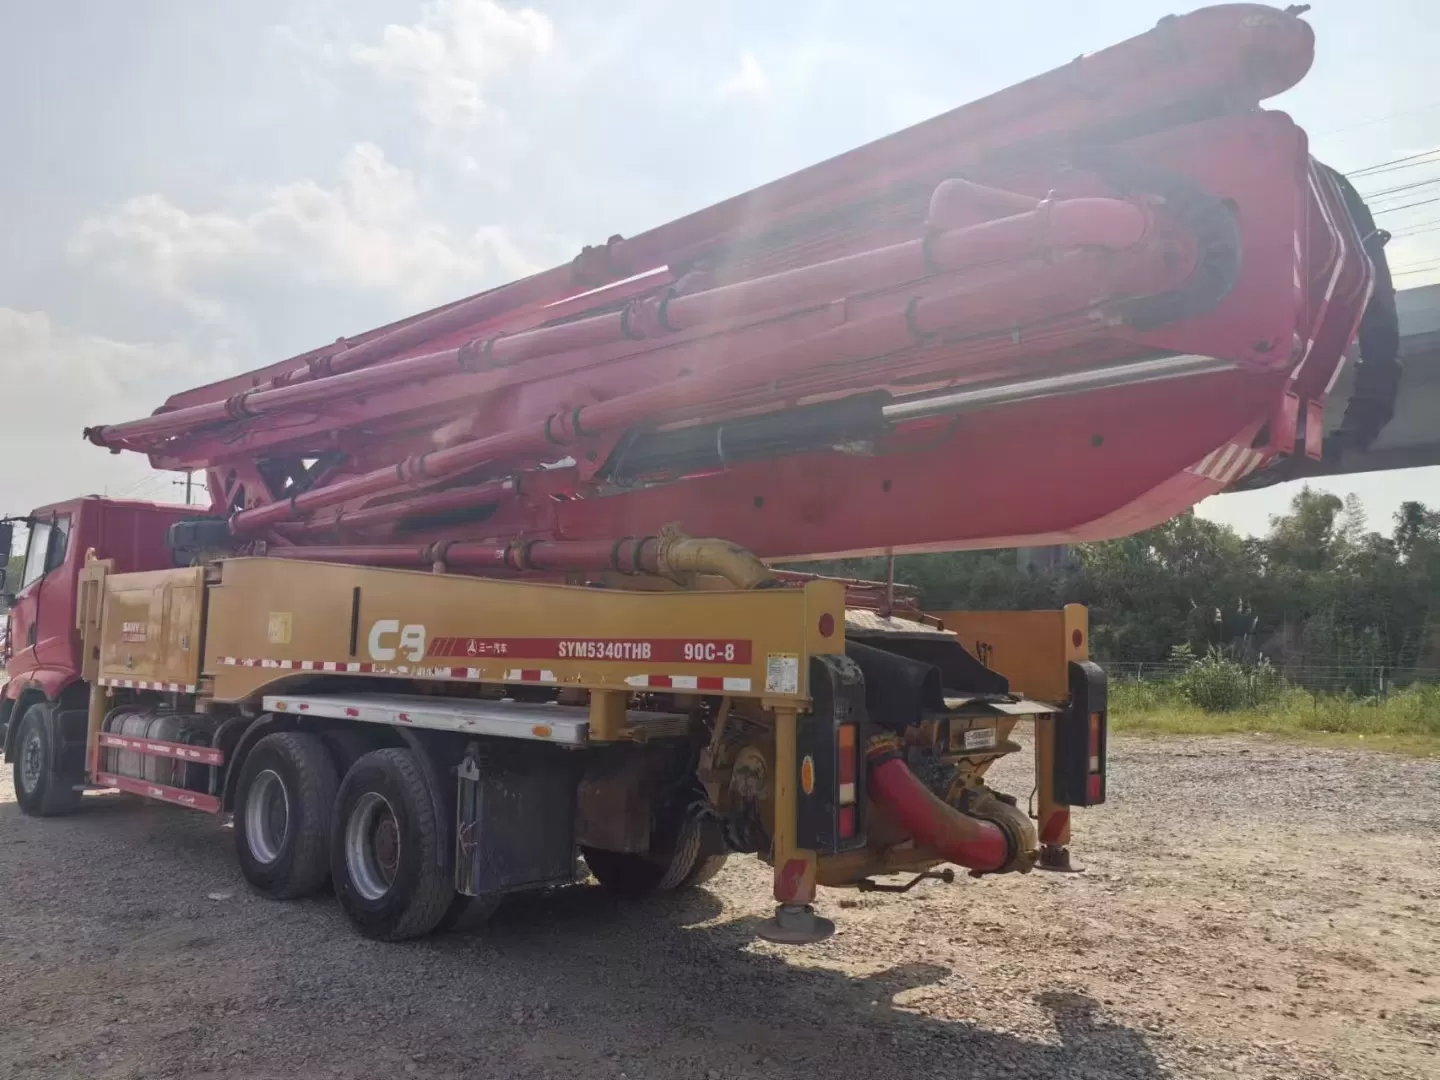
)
(374, 835)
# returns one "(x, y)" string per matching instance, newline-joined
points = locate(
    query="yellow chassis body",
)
(244, 630)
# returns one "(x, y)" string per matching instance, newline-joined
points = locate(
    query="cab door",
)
(42, 617)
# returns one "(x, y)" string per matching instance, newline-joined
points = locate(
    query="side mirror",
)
(3, 574)
(7, 537)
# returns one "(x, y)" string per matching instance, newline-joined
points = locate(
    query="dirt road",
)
(1249, 909)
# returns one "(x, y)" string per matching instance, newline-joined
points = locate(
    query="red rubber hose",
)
(959, 838)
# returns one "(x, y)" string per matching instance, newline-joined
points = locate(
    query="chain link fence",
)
(1357, 680)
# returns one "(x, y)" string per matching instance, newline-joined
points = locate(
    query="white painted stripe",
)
(685, 682)
(846, 794)
(1217, 470)
(738, 685)
(1247, 461)
(518, 675)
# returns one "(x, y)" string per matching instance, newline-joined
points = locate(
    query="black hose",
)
(1211, 220)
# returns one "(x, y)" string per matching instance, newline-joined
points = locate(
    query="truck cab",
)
(42, 644)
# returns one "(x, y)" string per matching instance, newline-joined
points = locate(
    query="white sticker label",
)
(980, 738)
(782, 673)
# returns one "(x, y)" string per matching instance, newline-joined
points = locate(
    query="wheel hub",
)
(387, 847)
(267, 816)
(372, 845)
(32, 761)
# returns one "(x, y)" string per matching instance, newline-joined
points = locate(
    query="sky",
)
(192, 190)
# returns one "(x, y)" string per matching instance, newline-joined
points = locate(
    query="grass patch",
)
(1407, 721)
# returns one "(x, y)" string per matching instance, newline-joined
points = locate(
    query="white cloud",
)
(370, 231)
(55, 383)
(747, 80)
(452, 56)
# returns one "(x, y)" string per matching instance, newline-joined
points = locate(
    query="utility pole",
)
(187, 484)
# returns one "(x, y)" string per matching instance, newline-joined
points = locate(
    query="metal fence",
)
(1362, 680)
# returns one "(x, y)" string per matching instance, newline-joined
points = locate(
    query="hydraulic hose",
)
(984, 846)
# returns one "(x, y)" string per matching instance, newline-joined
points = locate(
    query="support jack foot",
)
(796, 924)
(1057, 860)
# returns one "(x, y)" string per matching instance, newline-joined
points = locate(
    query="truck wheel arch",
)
(263, 725)
(14, 710)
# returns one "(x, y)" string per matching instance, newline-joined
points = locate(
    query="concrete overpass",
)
(1412, 437)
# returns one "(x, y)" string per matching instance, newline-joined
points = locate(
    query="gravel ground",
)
(1250, 909)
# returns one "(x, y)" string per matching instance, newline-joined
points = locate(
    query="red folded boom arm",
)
(1064, 312)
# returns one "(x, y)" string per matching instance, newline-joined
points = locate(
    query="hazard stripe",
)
(1227, 464)
(145, 684)
(530, 675)
(712, 683)
(689, 682)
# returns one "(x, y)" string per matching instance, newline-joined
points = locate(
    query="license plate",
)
(980, 738)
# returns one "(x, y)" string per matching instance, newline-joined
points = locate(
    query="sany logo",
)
(411, 643)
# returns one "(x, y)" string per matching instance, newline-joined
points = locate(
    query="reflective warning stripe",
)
(419, 671)
(536, 675)
(713, 683)
(689, 682)
(143, 684)
(1227, 464)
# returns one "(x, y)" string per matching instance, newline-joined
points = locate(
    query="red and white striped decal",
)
(143, 684)
(721, 683)
(1227, 464)
(535, 675)
(419, 671)
(717, 683)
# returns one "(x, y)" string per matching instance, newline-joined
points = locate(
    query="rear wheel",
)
(705, 869)
(385, 859)
(283, 804)
(678, 859)
(467, 913)
(40, 788)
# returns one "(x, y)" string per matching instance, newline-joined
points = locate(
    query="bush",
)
(1216, 683)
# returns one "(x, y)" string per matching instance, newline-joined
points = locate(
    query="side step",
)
(149, 789)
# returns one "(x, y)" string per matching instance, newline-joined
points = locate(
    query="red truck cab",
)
(42, 645)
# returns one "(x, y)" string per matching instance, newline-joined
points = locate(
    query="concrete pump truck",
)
(495, 585)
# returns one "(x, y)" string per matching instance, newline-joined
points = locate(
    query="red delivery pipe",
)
(978, 307)
(629, 554)
(1080, 222)
(342, 374)
(986, 305)
(389, 513)
(932, 822)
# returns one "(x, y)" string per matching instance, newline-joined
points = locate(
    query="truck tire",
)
(385, 861)
(283, 803)
(671, 864)
(467, 913)
(705, 869)
(40, 788)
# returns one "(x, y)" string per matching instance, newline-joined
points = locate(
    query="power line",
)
(1416, 225)
(1385, 166)
(1402, 187)
(1434, 226)
(1407, 206)
(1379, 119)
